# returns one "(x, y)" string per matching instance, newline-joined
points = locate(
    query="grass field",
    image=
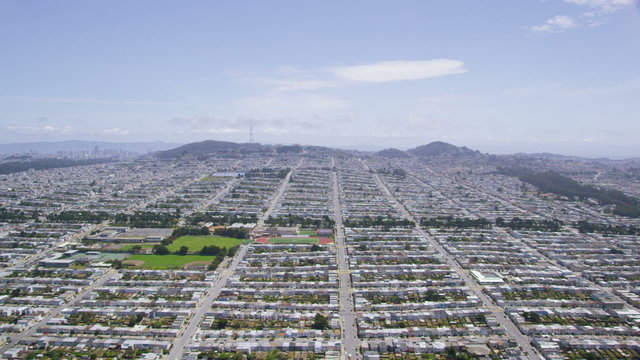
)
(288, 240)
(308, 232)
(212, 178)
(167, 261)
(196, 243)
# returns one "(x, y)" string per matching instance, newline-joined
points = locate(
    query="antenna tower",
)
(251, 134)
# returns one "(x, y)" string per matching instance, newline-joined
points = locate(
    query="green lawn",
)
(288, 240)
(168, 261)
(308, 232)
(196, 243)
(212, 178)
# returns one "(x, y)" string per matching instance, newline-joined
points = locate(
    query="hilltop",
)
(209, 147)
(393, 153)
(438, 148)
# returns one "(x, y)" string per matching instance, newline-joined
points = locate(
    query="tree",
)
(276, 355)
(213, 266)
(531, 317)
(221, 323)
(160, 250)
(210, 250)
(188, 230)
(183, 250)
(237, 233)
(134, 320)
(320, 322)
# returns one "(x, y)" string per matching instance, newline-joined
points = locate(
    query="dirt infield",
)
(324, 241)
(134, 262)
(196, 264)
(263, 240)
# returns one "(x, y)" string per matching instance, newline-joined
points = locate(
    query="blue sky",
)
(500, 76)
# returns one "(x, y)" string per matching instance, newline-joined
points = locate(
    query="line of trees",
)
(44, 164)
(268, 172)
(368, 221)
(552, 182)
(147, 219)
(16, 216)
(606, 229)
(73, 216)
(189, 230)
(217, 218)
(306, 222)
(456, 222)
(530, 224)
(237, 233)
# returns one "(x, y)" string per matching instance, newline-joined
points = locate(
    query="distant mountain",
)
(439, 148)
(289, 149)
(560, 157)
(53, 147)
(209, 147)
(393, 153)
(361, 147)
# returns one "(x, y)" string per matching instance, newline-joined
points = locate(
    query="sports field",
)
(166, 261)
(212, 178)
(196, 243)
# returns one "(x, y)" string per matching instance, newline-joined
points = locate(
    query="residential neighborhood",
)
(317, 255)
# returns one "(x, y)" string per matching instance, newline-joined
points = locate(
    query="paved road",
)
(350, 342)
(512, 330)
(516, 240)
(29, 260)
(15, 339)
(281, 191)
(500, 199)
(193, 324)
(177, 351)
(208, 202)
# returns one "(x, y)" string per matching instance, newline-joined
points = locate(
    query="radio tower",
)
(251, 134)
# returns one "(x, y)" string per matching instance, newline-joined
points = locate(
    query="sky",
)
(500, 76)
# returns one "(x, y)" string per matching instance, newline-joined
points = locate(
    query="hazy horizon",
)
(488, 149)
(557, 76)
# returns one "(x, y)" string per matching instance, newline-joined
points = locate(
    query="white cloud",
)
(599, 9)
(602, 5)
(43, 130)
(115, 131)
(211, 125)
(400, 70)
(557, 23)
(595, 17)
